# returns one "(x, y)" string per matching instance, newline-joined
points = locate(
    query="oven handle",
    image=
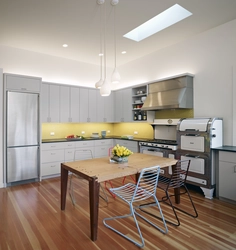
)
(192, 134)
(192, 156)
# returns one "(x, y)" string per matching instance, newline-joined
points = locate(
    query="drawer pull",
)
(192, 156)
(53, 166)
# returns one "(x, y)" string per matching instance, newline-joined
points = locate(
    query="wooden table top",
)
(103, 170)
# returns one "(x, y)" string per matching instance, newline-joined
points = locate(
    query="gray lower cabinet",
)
(102, 147)
(131, 145)
(227, 175)
(52, 155)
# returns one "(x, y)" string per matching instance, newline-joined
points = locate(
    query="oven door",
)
(154, 151)
(192, 143)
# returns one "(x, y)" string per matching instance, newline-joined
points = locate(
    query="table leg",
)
(94, 204)
(64, 179)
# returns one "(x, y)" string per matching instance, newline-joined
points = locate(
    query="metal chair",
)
(177, 181)
(83, 154)
(137, 193)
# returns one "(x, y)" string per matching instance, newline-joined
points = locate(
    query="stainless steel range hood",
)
(176, 93)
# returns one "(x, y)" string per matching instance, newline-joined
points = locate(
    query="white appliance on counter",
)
(196, 137)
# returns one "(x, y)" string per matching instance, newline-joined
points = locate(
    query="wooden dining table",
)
(98, 170)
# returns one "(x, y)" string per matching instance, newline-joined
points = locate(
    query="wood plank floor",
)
(30, 218)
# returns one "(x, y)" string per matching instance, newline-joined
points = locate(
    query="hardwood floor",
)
(30, 218)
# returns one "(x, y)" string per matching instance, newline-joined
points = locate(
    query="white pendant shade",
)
(98, 84)
(115, 78)
(105, 90)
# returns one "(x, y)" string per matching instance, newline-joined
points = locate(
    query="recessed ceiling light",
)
(123, 52)
(65, 45)
(163, 20)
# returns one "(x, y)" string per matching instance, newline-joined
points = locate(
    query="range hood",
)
(175, 93)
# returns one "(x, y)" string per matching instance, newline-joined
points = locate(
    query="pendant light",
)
(115, 75)
(98, 84)
(105, 89)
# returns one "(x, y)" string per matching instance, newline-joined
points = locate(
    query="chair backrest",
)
(83, 154)
(147, 183)
(179, 176)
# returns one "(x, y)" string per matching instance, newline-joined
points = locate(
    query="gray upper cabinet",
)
(123, 108)
(105, 107)
(49, 102)
(87, 105)
(69, 104)
(23, 83)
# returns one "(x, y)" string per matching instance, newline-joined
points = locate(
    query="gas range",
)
(160, 143)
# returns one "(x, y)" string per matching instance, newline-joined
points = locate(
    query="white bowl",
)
(143, 98)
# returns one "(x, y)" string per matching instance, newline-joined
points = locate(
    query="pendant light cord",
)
(115, 32)
(101, 52)
(104, 41)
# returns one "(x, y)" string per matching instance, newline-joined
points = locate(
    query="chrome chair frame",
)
(85, 154)
(136, 193)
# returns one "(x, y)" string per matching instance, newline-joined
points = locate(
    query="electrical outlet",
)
(135, 132)
(52, 133)
(82, 132)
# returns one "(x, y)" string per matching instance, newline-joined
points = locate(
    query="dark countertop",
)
(90, 138)
(226, 148)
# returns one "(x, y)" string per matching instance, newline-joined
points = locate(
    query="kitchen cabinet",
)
(138, 95)
(105, 107)
(131, 145)
(69, 149)
(52, 157)
(227, 175)
(123, 101)
(22, 83)
(102, 147)
(87, 105)
(69, 104)
(49, 100)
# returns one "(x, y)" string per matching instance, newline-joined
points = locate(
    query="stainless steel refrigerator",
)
(22, 159)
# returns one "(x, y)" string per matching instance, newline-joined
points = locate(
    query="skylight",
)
(163, 20)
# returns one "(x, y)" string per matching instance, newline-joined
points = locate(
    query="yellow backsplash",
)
(145, 130)
(61, 130)
(174, 113)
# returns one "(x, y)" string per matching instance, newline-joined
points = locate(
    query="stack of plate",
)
(95, 135)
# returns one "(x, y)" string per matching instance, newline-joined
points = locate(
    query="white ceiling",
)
(44, 25)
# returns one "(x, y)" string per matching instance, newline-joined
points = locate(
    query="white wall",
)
(211, 56)
(1, 128)
(49, 68)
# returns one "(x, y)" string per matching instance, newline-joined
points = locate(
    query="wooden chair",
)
(136, 194)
